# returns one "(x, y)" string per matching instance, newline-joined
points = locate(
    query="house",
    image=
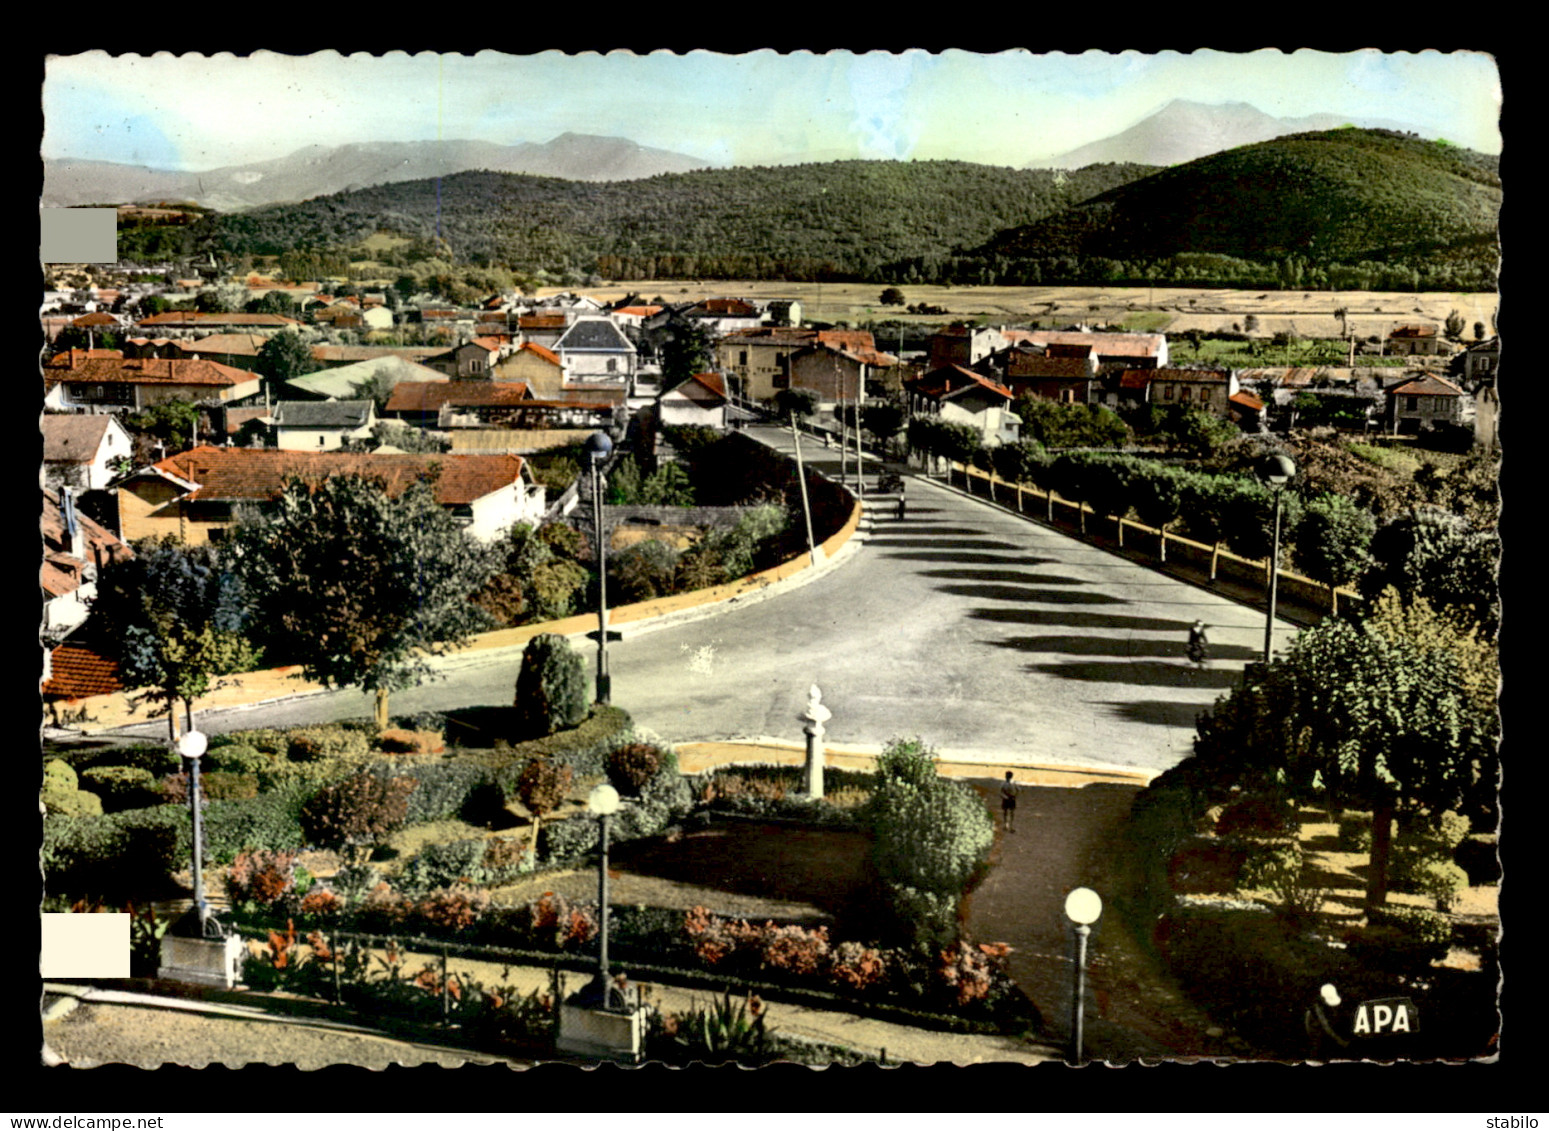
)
(73, 672)
(343, 383)
(1481, 360)
(594, 350)
(130, 384)
(1422, 401)
(699, 400)
(195, 494)
(783, 312)
(724, 315)
(321, 426)
(191, 320)
(542, 329)
(1209, 389)
(240, 351)
(1416, 340)
(1113, 350)
(80, 450)
(755, 362)
(336, 357)
(537, 367)
(958, 395)
(1248, 412)
(75, 550)
(964, 346)
(472, 359)
(1066, 373)
(452, 403)
(837, 371)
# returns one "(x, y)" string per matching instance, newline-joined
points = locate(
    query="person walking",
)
(1008, 804)
(1198, 644)
(901, 505)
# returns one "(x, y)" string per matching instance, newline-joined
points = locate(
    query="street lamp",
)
(1083, 907)
(598, 446)
(1276, 470)
(192, 746)
(602, 803)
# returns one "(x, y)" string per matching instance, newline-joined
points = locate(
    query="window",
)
(742, 357)
(613, 365)
(1411, 404)
(1183, 393)
(1167, 392)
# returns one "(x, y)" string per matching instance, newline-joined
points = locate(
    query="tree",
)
(1478, 331)
(1390, 712)
(688, 351)
(170, 423)
(1453, 326)
(360, 586)
(892, 296)
(173, 617)
(272, 302)
(1429, 553)
(1333, 540)
(1157, 496)
(550, 687)
(533, 580)
(542, 786)
(285, 357)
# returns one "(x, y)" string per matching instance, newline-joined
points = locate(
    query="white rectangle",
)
(85, 946)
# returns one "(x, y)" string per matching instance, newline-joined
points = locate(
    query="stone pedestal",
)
(605, 1034)
(204, 962)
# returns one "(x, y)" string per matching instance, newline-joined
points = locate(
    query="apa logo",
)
(1386, 1015)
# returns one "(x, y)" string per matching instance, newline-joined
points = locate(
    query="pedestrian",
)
(1322, 1024)
(1198, 643)
(901, 506)
(1008, 804)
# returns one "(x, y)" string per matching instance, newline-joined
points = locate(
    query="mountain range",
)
(1184, 131)
(322, 170)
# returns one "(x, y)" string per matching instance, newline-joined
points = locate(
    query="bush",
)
(442, 789)
(1431, 876)
(1268, 863)
(443, 865)
(550, 687)
(932, 838)
(358, 811)
(59, 776)
(314, 744)
(907, 760)
(1258, 815)
(1478, 857)
(238, 758)
(632, 765)
(121, 787)
(399, 741)
(261, 877)
(270, 821)
(228, 787)
(562, 841)
(1355, 831)
(72, 803)
(1399, 938)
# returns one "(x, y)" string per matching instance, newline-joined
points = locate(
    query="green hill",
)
(840, 219)
(1336, 197)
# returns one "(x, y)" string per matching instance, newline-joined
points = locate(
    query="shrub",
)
(444, 865)
(229, 787)
(59, 776)
(1439, 879)
(933, 838)
(269, 821)
(442, 789)
(357, 812)
(632, 765)
(922, 918)
(857, 967)
(261, 877)
(554, 921)
(543, 785)
(1403, 937)
(795, 950)
(907, 760)
(314, 744)
(238, 758)
(453, 908)
(560, 841)
(1479, 859)
(1355, 831)
(1257, 815)
(309, 776)
(1269, 862)
(121, 787)
(1444, 830)
(72, 803)
(411, 742)
(550, 687)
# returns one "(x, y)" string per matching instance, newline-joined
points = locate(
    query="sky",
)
(195, 112)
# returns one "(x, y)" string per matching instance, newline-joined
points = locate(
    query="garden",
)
(410, 874)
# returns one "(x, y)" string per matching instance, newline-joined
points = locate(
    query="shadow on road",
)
(1151, 673)
(1127, 646)
(1009, 575)
(1160, 712)
(1070, 618)
(1044, 596)
(951, 556)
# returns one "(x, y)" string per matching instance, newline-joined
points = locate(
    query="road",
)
(991, 636)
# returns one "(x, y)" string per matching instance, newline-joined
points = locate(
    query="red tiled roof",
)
(950, 380)
(237, 474)
(430, 396)
(1066, 349)
(1427, 385)
(96, 319)
(1106, 344)
(491, 344)
(100, 543)
(193, 371)
(1413, 332)
(848, 339)
(732, 306)
(191, 317)
(1135, 378)
(70, 358)
(781, 335)
(702, 388)
(1247, 400)
(639, 311)
(541, 321)
(247, 345)
(77, 671)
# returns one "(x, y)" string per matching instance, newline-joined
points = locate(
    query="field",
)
(1170, 309)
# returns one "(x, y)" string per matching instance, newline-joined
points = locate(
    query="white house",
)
(81, 449)
(594, 350)
(699, 400)
(321, 426)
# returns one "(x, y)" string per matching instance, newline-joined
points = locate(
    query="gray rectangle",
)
(79, 235)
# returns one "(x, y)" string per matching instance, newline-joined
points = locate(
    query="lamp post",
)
(598, 447)
(1276, 470)
(192, 746)
(602, 802)
(1083, 907)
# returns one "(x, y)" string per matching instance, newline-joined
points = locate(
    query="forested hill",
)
(1335, 197)
(833, 220)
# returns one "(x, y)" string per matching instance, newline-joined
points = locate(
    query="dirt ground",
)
(1176, 309)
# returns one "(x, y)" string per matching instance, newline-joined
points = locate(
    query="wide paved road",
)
(987, 634)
